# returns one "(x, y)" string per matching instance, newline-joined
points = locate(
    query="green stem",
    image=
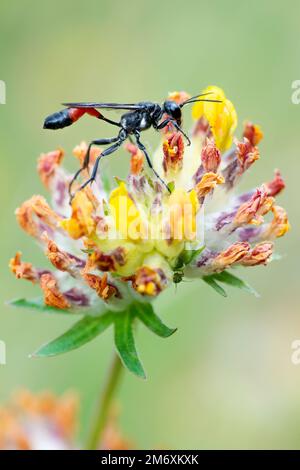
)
(104, 404)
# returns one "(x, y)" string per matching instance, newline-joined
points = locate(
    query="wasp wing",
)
(126, 106)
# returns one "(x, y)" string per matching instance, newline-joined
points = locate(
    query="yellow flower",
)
(208, 183)
(280, 224)
(142, 232)
(233, 254)
(125, 213)
(222, 116)
(183, 208)
(253, 133)
(151, 278)
(260, 254)
(81, 222)
(253, 210)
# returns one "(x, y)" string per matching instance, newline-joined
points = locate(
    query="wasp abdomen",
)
(58, 120)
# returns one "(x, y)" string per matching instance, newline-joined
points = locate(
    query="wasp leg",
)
(182, 132)
(168, 121)
(119, 140)
(87, 158)
(143, 149)
(105, 152)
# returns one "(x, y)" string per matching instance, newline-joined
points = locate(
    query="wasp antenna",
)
(192, 98)
(196, 101)
(198, 96)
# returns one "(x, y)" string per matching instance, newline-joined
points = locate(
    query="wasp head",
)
(173, 110)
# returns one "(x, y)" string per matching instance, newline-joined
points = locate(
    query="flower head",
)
(115, 247)
(45, 421)
(39, 422)
(132, 236)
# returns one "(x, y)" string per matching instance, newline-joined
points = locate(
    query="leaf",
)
(38, 304)
(190, 255)
(146, 314)
(125, 345)
(186, 257)
(79, 334)
(228, 278)
(212, 283)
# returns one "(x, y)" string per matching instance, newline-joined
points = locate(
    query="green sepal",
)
(94, 323)
(39, 304)
(125, 344)
(228, 278)
(79, 334)
(145, 313)
(186, 257)
(210, 280)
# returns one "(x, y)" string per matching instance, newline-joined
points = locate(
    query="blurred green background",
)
(225, 379)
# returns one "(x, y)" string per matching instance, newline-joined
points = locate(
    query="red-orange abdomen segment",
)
(68, 116)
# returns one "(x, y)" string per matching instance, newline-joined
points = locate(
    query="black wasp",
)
(140, 116)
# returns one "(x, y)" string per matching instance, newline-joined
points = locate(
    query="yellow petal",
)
(81, 222)
(125, 213)
(222, 116)
(183, 207)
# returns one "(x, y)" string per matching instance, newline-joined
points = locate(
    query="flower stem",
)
(102, 411)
